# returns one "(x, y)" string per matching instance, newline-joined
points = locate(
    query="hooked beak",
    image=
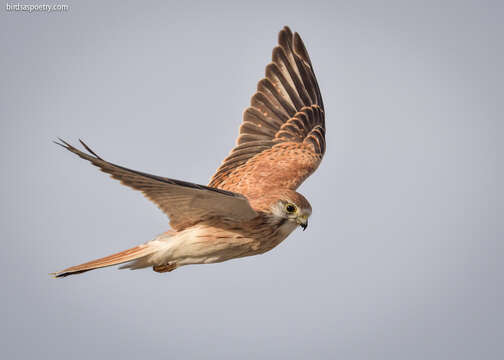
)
(303, 222)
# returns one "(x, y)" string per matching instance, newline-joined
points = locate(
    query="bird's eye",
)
(290, 208)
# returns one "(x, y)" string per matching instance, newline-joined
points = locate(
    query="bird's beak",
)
(303, 222)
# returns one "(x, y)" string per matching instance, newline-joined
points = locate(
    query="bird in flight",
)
(251, 204)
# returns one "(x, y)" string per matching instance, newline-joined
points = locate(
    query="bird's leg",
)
(164, 268)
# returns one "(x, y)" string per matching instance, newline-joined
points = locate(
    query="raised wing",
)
(185, 203)
(282, 137)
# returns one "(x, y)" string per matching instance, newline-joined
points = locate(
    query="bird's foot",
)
(164, 268)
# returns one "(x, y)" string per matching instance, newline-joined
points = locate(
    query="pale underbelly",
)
(205, 245)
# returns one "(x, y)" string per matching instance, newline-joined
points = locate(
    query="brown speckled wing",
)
(185, 203)
(282, 137)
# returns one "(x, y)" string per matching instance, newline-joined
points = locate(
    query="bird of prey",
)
(251, 203)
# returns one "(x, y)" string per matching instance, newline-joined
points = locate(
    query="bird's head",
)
(286, 205)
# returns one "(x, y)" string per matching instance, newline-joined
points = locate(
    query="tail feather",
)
(134, 253)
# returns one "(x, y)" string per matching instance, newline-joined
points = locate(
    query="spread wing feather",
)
(285, 118)
(185, 203)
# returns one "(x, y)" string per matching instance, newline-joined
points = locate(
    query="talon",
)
(164, 268)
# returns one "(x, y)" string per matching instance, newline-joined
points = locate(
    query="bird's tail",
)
(139, 253)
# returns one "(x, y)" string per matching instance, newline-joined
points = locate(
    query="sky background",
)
(403, 255)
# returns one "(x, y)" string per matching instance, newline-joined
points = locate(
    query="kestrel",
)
(251, 204)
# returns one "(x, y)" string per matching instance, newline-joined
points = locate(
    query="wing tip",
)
(61, 143)
(89, 149)
(90, 155)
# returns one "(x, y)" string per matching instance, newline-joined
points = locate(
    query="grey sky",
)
(403, 256)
